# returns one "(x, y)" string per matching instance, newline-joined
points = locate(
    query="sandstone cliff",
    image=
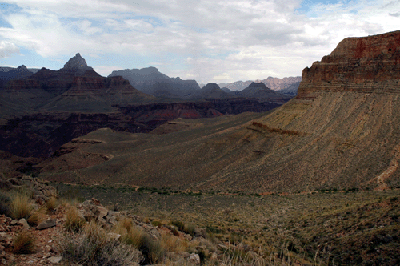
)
(368, 64)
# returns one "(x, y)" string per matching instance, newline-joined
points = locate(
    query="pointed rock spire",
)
(77, 63)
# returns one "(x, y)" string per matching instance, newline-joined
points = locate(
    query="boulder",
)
(46, 224)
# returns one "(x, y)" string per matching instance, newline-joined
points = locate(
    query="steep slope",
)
(340, 137)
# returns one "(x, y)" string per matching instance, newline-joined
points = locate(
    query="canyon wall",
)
(368, 64)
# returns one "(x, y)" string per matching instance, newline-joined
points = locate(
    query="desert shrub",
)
(73, 222)
(93, 247)
(51, 204)
(5, 204)
(151, 249)
(156, 223)
(189, 229)
(180, 225)
(37, 217)
(24, 243)
(172, 243)
(20, 206)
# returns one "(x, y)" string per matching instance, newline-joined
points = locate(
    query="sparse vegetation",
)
(93, 246)
(20, 206)
(24, 243)
(73, 221)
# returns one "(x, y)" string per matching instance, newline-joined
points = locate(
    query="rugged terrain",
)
(323, 139)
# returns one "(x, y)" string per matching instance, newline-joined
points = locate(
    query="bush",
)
(93, 247)
(37, 217)
(20, 207)
(151, 249)
(73, 222)
(51, 204)
(180, 225)
(24, 243)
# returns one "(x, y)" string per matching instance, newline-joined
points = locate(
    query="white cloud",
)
(242, 39)
(7, 49)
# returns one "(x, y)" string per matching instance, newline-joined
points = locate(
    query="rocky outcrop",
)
(77, 64)
(367, 64)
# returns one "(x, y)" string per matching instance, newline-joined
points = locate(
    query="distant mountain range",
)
(285, 85)
(149, 80)
(75, 87)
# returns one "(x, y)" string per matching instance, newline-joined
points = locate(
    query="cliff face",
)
(368, 64)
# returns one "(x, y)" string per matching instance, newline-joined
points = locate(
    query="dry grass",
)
(24, 243)
(37, 216)
(93, 246)
(173, 243)
(20, 206)
(73, 221)
(51, 204)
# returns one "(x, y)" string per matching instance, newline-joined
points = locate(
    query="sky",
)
(209, 41)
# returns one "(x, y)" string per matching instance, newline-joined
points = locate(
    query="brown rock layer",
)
(368, 64)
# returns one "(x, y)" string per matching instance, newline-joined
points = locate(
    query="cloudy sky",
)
(210, 40)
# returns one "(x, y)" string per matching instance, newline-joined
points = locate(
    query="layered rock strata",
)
(367, 64)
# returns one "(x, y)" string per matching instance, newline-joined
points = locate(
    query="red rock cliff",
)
(364, 64)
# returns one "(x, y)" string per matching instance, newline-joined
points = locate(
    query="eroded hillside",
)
(327, 138)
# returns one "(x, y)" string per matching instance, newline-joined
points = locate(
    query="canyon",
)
(337, 137)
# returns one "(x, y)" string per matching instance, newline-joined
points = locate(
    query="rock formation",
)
(149, 80)
(340, 133)
(368, 64)
(211, 91)
(75, 87)
(77, 64)
(263, 93)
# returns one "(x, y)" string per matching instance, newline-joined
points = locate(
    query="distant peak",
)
(258, 84)
(76, 63)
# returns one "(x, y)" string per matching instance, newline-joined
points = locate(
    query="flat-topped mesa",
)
(367, 64)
